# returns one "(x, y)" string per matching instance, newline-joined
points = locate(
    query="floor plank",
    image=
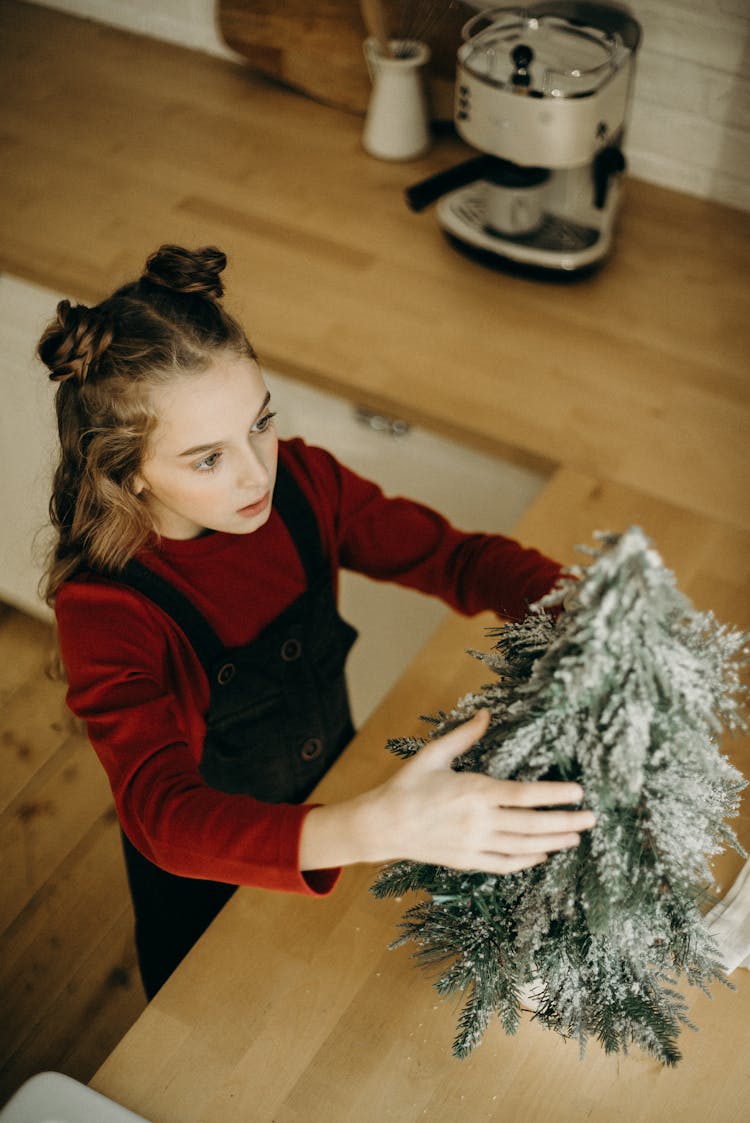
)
(69, 985)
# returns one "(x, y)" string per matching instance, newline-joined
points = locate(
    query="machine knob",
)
(522, 58)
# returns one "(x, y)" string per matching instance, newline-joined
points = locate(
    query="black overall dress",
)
(278, 718)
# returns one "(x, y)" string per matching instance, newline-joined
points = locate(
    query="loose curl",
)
(106, 361)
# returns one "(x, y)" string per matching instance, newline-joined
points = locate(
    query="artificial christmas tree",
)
(613, 680)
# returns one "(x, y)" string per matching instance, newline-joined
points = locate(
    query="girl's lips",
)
(254, 508)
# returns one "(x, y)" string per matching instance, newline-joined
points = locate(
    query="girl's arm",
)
(403, 541)
(429, 813)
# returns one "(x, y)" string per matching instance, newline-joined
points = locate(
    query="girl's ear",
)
(139, 485)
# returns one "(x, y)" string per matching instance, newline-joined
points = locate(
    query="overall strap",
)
(201, 636)
(302, 525)
(300, 520)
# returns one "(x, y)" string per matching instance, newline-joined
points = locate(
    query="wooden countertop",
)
(630, 388)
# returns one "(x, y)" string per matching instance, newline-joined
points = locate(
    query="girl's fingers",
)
(474, 821)
(513, 821)
(538, 793)
(507, 793)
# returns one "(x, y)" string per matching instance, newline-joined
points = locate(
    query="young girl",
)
(194, 583)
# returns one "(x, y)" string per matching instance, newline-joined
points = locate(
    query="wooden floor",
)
(68, 978)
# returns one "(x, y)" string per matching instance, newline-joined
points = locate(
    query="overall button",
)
(226, 673)
(291, 649)
(312, 748)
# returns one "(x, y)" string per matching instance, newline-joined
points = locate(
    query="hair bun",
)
(187, 271)
(74, 342)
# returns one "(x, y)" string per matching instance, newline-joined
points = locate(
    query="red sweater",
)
(136, 682)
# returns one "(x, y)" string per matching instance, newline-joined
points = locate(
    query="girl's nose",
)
(252, 472)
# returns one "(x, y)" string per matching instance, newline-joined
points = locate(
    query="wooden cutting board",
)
(316, 47)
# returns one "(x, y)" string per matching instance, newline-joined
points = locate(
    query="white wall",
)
(191, 23)
(690, 127)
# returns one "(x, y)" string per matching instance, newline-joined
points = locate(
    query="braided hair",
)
(105, 360)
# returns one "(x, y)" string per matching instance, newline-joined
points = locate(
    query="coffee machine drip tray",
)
(556, 243)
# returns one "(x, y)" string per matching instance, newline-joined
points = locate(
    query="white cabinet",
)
(28, 437)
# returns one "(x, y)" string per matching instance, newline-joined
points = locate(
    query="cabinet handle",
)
(379, 423)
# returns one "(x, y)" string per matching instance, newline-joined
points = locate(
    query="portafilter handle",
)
(429, 190)
(607, 163)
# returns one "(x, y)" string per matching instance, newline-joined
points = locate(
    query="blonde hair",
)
(106, 359)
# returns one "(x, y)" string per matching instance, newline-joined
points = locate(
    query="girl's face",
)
(211, 460)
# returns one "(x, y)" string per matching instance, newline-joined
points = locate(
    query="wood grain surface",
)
(317, 48)
(69, 983)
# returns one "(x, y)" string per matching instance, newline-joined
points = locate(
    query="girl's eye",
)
(263, 423)
(208, 463)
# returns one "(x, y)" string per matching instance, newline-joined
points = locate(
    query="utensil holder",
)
(397, 121)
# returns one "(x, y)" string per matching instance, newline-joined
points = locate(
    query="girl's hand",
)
(428, 813)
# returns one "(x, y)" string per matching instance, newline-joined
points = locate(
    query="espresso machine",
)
(543, 93)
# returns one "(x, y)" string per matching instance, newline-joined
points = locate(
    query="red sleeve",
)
(136, 683)
(396, 539)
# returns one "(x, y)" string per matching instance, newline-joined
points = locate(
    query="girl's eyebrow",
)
(205, 448)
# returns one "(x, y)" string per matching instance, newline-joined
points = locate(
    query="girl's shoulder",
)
(109, 633)
(90, 605)
(88, 587)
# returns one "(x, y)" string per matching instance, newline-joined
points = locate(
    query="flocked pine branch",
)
(626, 690)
